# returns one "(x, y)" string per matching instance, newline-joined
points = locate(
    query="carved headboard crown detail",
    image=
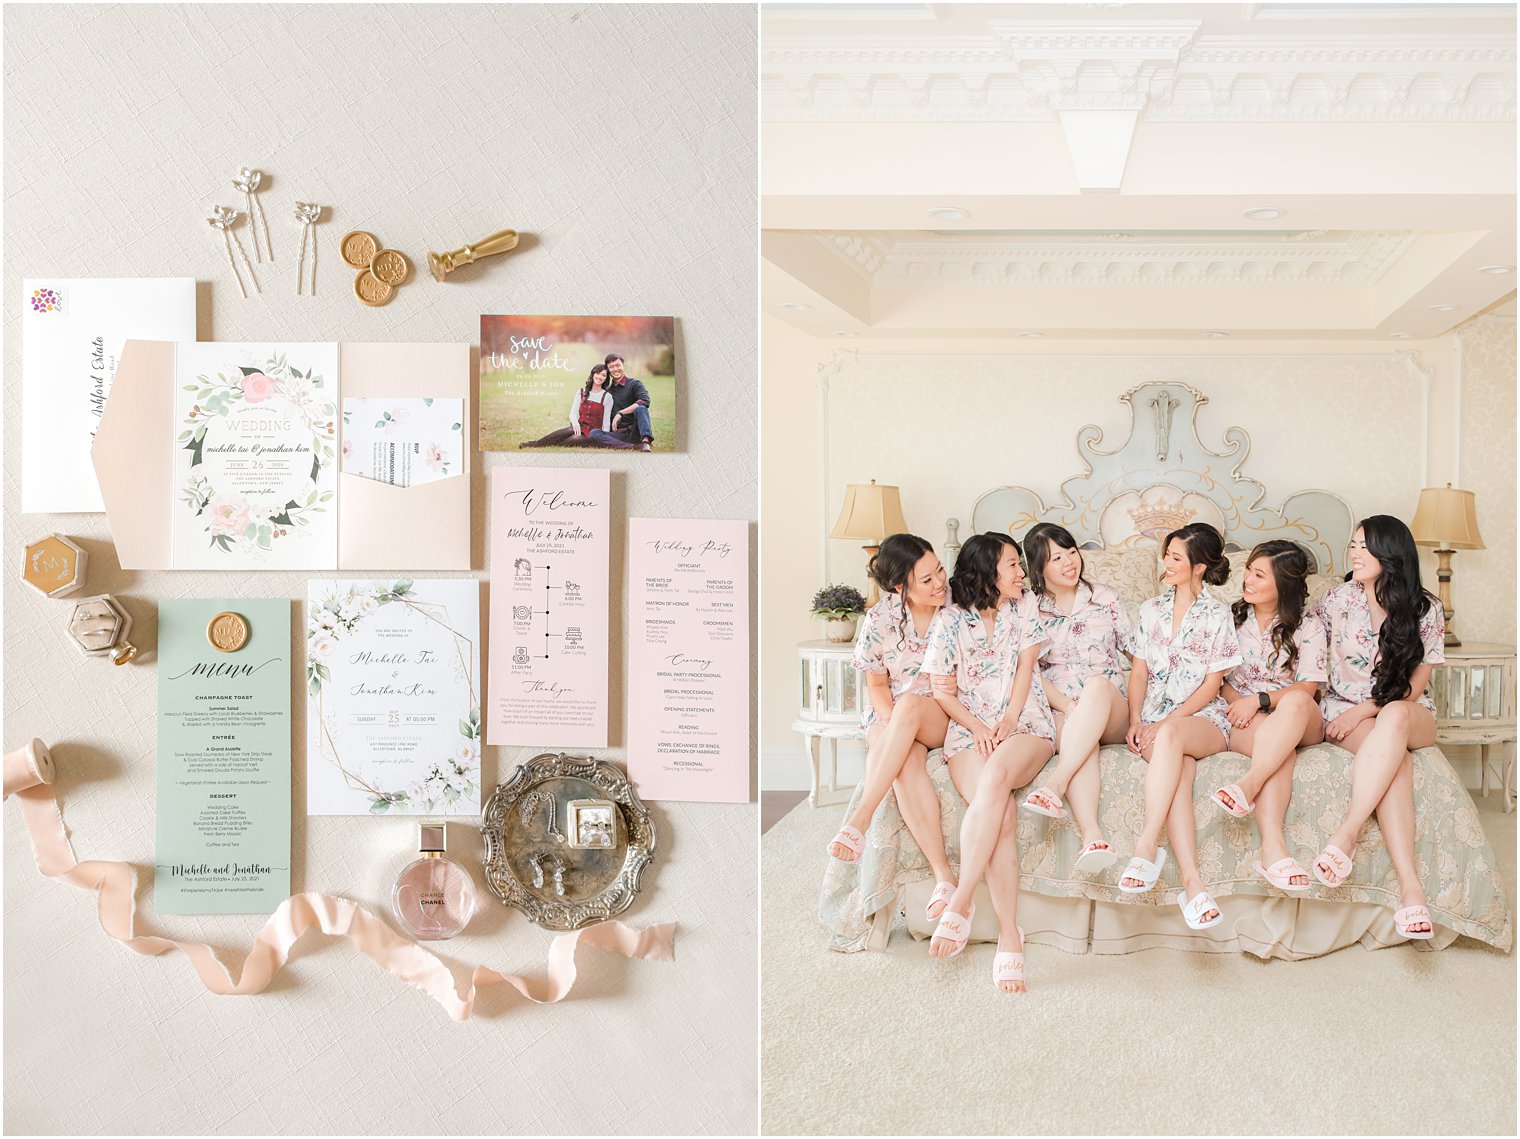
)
(1163, 476)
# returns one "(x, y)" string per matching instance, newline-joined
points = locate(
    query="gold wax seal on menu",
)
(390, 267)
(227, 632)
(371, 290)
(359, 248)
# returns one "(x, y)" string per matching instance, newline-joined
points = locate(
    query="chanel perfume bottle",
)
(434, 897)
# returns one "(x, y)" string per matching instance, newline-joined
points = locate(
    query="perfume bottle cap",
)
(432, 838)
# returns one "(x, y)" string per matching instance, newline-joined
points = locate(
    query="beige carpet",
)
(1396, 1041)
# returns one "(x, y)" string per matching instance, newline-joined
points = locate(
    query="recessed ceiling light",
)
(1265, 213)
(846, 333)
(1401, 335)
(793, 306)
(1497, 269)
(949, 213)
(1031, 335)
(1216, 335)
(1443, 308)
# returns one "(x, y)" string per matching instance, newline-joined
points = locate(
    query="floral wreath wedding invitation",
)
(256, 443)
(238, 456)
(393, 697)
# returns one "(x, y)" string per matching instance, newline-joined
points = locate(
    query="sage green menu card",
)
(223, 760)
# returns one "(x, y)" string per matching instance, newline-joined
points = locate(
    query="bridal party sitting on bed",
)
(1004, 676)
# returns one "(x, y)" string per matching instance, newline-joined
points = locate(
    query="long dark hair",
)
(1399, 591)
(591, 380)
(1290, 570)
(892, 566)
(1205, 547)
(1037, 546)
(974, 583)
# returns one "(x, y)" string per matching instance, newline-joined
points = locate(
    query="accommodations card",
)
(688, 659)
(393, 697)
(403, 441)
(72, 332)
(549, 565)
(254, 448)
(562, 382)
(223, 758)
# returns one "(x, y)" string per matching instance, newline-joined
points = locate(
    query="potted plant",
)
(840, 606)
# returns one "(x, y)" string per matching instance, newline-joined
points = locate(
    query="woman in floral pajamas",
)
(1386, 633)
(903, 722)
(1184, 644)
(981, 658)
(1271, 696)
(1082, 672)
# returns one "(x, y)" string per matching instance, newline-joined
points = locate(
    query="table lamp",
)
(870, 513)
(1446, 519)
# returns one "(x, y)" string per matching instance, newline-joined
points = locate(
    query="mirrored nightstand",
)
(1474, 692)
(831, 696)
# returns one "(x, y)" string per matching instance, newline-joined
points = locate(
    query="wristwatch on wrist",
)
(1265, 701)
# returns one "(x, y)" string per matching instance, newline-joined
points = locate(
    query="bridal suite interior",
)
(982, 228)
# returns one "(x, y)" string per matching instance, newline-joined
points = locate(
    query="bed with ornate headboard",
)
(1119, 509)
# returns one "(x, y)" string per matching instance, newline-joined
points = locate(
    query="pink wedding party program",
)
(688, 659)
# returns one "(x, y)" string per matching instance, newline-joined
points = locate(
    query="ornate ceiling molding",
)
(1316, 258)
(1032, 70)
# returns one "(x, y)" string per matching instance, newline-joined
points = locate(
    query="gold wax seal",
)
(371, 290)
(359, 248)
(227, 632)
(390, 267)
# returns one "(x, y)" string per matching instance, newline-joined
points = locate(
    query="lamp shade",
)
(1447, 519)
(870, 513)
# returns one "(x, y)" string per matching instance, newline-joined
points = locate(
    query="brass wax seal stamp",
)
(227, 632)
(442, 264)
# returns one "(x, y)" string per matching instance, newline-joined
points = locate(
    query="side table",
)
(1474, 694)
(830, 698)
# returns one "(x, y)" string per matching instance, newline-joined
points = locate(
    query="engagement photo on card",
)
(577, 382)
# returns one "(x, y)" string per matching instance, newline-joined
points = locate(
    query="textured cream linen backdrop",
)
(623, 139)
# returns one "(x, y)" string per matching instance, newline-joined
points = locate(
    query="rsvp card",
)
(393, 697)
(688, 659)
(403, 442)
(550, 551)
(223, 825)
(72, 332)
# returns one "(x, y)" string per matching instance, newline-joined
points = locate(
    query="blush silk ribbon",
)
(28, 773)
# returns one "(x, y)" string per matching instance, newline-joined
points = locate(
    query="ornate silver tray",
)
(530, 862)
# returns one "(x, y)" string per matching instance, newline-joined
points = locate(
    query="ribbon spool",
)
(28, 766)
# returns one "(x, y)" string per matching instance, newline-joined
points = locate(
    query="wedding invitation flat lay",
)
(550, 552)
(688, 659)
(72, 332)
(238, 456)
(393, 697)
(223, 803)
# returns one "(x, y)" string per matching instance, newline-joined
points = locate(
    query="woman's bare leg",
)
(1003, 885)
(1273, 798)
(1395, 814)
(887, 748)
(1175, 742)
(1101, 714)
(1381, 746)
(919, 804)
(1272, 738)
(1012, 764)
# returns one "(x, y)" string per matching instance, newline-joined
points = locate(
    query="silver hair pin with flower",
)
(248, 182)
(307, 214)
(222, 218)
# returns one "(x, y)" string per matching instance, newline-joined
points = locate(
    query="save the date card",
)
(567, 383)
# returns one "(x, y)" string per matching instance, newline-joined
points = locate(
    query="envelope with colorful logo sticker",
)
(229, 456)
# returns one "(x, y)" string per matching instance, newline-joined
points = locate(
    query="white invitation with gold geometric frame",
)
(393, 697)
